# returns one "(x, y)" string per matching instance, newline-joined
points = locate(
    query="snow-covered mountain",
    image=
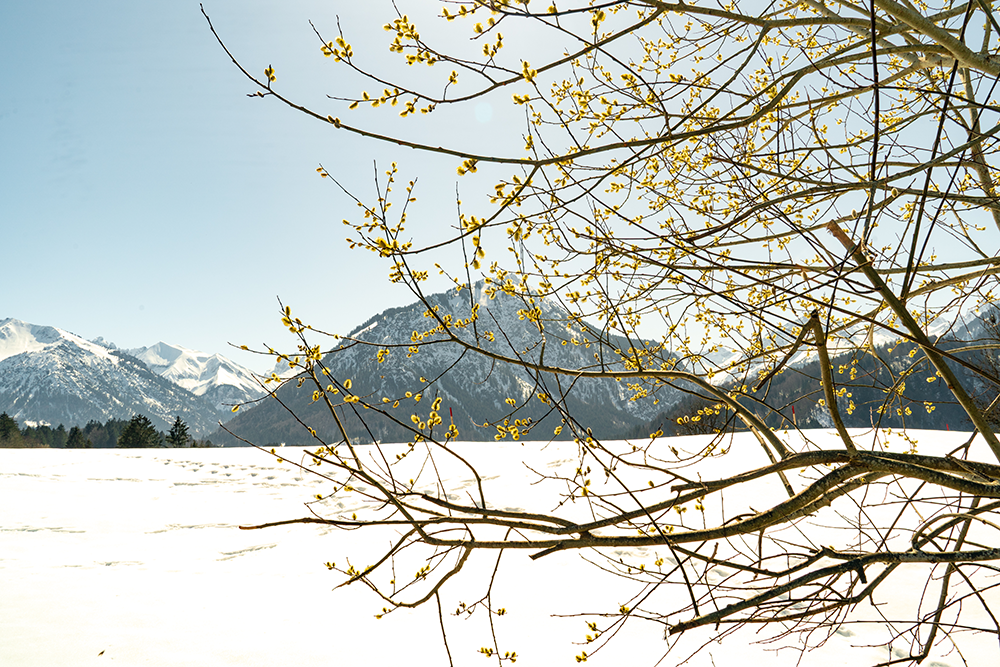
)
(218, 379)
(52, 376)
(473, 388)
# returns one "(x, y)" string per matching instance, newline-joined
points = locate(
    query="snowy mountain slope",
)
(17, 337)
(48, 375)
(473, 388)
(218, 379)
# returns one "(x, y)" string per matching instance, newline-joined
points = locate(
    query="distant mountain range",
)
(52, 376)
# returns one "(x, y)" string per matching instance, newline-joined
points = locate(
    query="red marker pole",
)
(452, 416)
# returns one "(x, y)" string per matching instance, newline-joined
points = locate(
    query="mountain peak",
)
(18, 337)
(473, 388)
(201, 373)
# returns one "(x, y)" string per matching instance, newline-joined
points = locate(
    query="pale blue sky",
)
(145, 197)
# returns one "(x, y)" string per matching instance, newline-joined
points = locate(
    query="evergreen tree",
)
(59, 437)
(139, 432)
(10, 434)
(77, 440)
(8, 427)
(98, 434)
(38, 436)
(178, 435)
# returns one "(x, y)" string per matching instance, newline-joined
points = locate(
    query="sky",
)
(145, 197)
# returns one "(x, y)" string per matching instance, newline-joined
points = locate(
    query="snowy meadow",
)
(136, 557)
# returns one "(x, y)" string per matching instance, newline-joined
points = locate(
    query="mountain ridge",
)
(50, 376)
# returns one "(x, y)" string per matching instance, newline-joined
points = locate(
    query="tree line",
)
(137, 432)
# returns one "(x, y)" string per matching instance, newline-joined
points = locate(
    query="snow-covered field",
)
(135, 558)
